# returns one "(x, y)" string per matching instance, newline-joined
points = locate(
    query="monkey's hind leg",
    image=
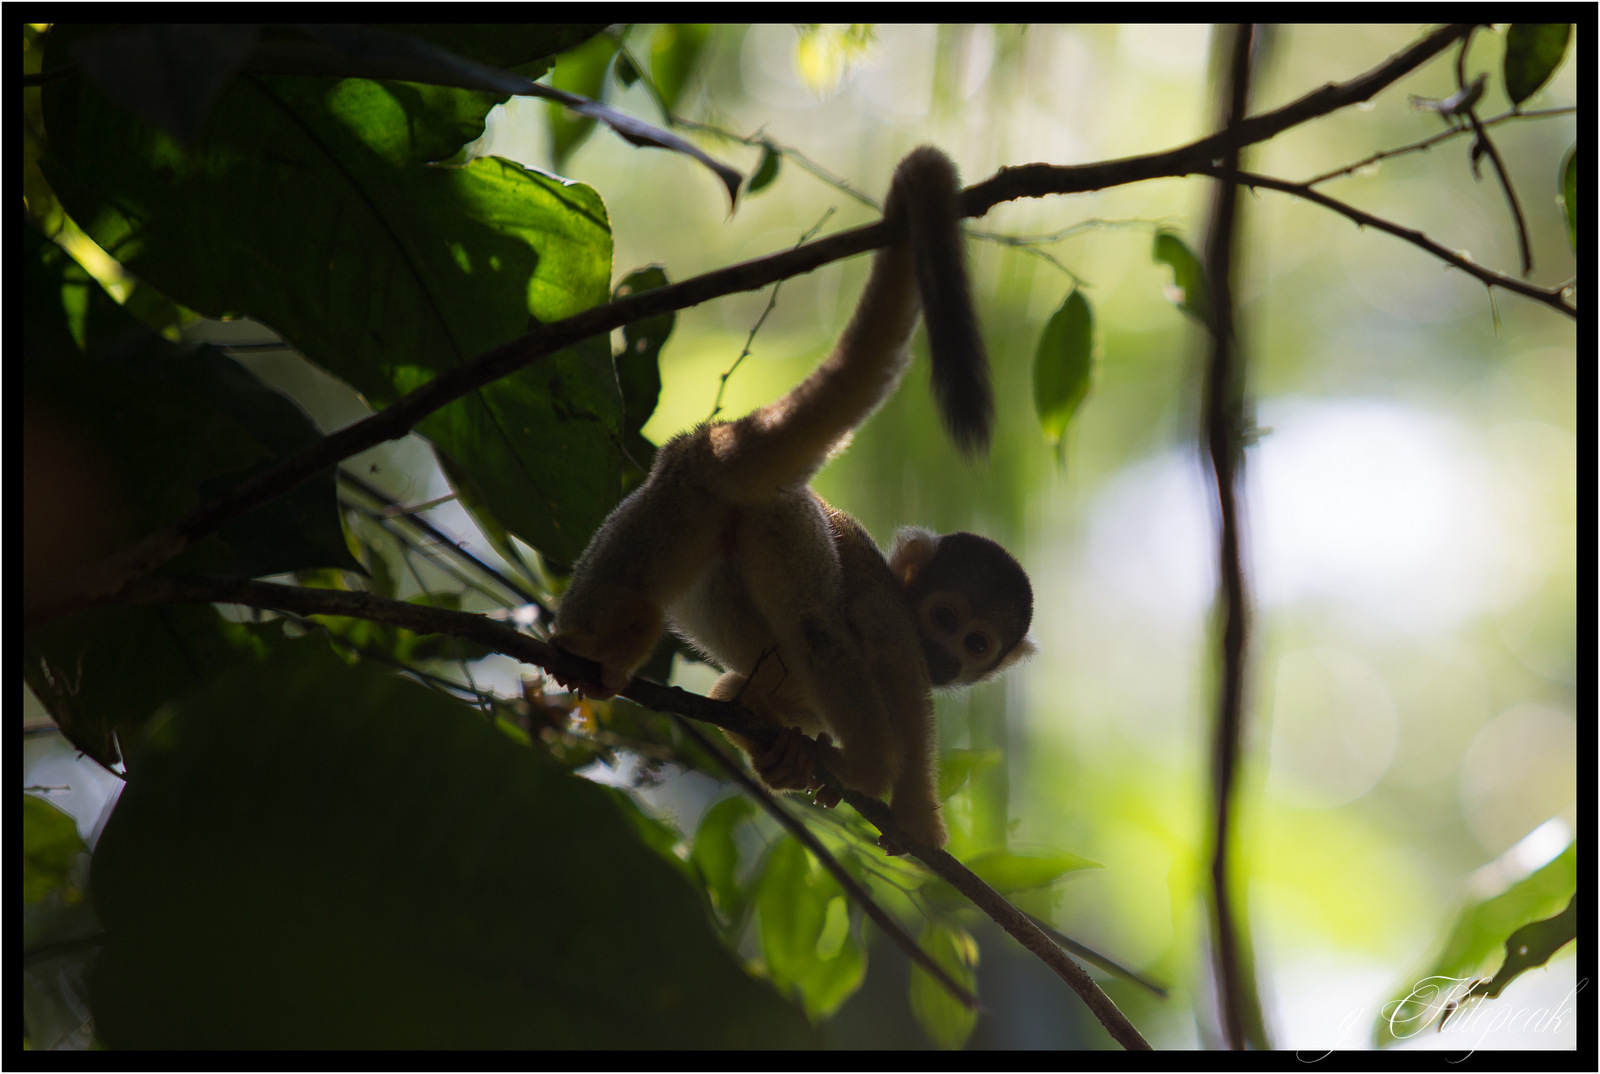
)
(645, 555)
(790, 764)
(619, 641)
(829, 679)
(916, 792)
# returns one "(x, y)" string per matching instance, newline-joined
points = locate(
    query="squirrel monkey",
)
(726, 543)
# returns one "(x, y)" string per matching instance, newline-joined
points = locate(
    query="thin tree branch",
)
(1007, 916)
(396, 512)
(1551, 297)
(1482, 141)
(1224, 410)
(1039, 180)
(54, 74)
(1428, 143)
(105, 578)
(506, 639)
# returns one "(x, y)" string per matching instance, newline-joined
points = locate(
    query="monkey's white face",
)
(960, 647)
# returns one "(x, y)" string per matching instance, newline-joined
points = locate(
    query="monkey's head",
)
(971, 600)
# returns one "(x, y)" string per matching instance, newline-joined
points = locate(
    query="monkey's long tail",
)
(930, 190)
(784, 443)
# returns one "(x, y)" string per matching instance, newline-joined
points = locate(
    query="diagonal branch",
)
(1428, 143)
(1551, 297)
(1038, 180)
(506, 639)
(1482, 142)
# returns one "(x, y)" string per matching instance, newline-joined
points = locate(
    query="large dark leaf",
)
(102, 672)
(315, 855)
(149, 430)
(310, 206)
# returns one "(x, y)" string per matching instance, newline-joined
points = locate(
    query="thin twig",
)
(1008, 917)
(1552, 296)
(396, 512)
(749, 340)
(1428, 143)
(1483, 141)
(842, 185)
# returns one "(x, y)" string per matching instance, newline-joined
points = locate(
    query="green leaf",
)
(716, 855)
(1481, 932)
(322, 856)
(580, 70)
(675, 50)
(767, 170)
(956, 767)
(943, 1017)
(104, 671)
(526, 46)
(626, 72)
(311, 207)
(1569, 195)
(1533, 52)
(135, 65)
(371, 52)
(400, 645)
(50, 849)
(808, 949)
(639, 364)
(1188, 292)
(1008, 873)
(55, 295)
(1531, 946)
(151, 430)
(1063, 366)
(171, 429)
(43, 211)
(60, 932)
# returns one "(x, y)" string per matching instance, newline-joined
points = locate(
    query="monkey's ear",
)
(1021, 651)
(913, 550)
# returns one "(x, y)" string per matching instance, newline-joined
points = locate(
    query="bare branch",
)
(1483, 142)
(1038, 180)
(1428, 143)
(1551, 297)
(1007, 916)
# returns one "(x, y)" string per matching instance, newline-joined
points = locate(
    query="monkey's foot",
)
(826, 797)
(613, 678)
(790, 764)
(923, 826)
(582, 686)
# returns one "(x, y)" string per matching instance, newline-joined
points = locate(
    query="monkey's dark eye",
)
(977, 644)
(944, 618)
